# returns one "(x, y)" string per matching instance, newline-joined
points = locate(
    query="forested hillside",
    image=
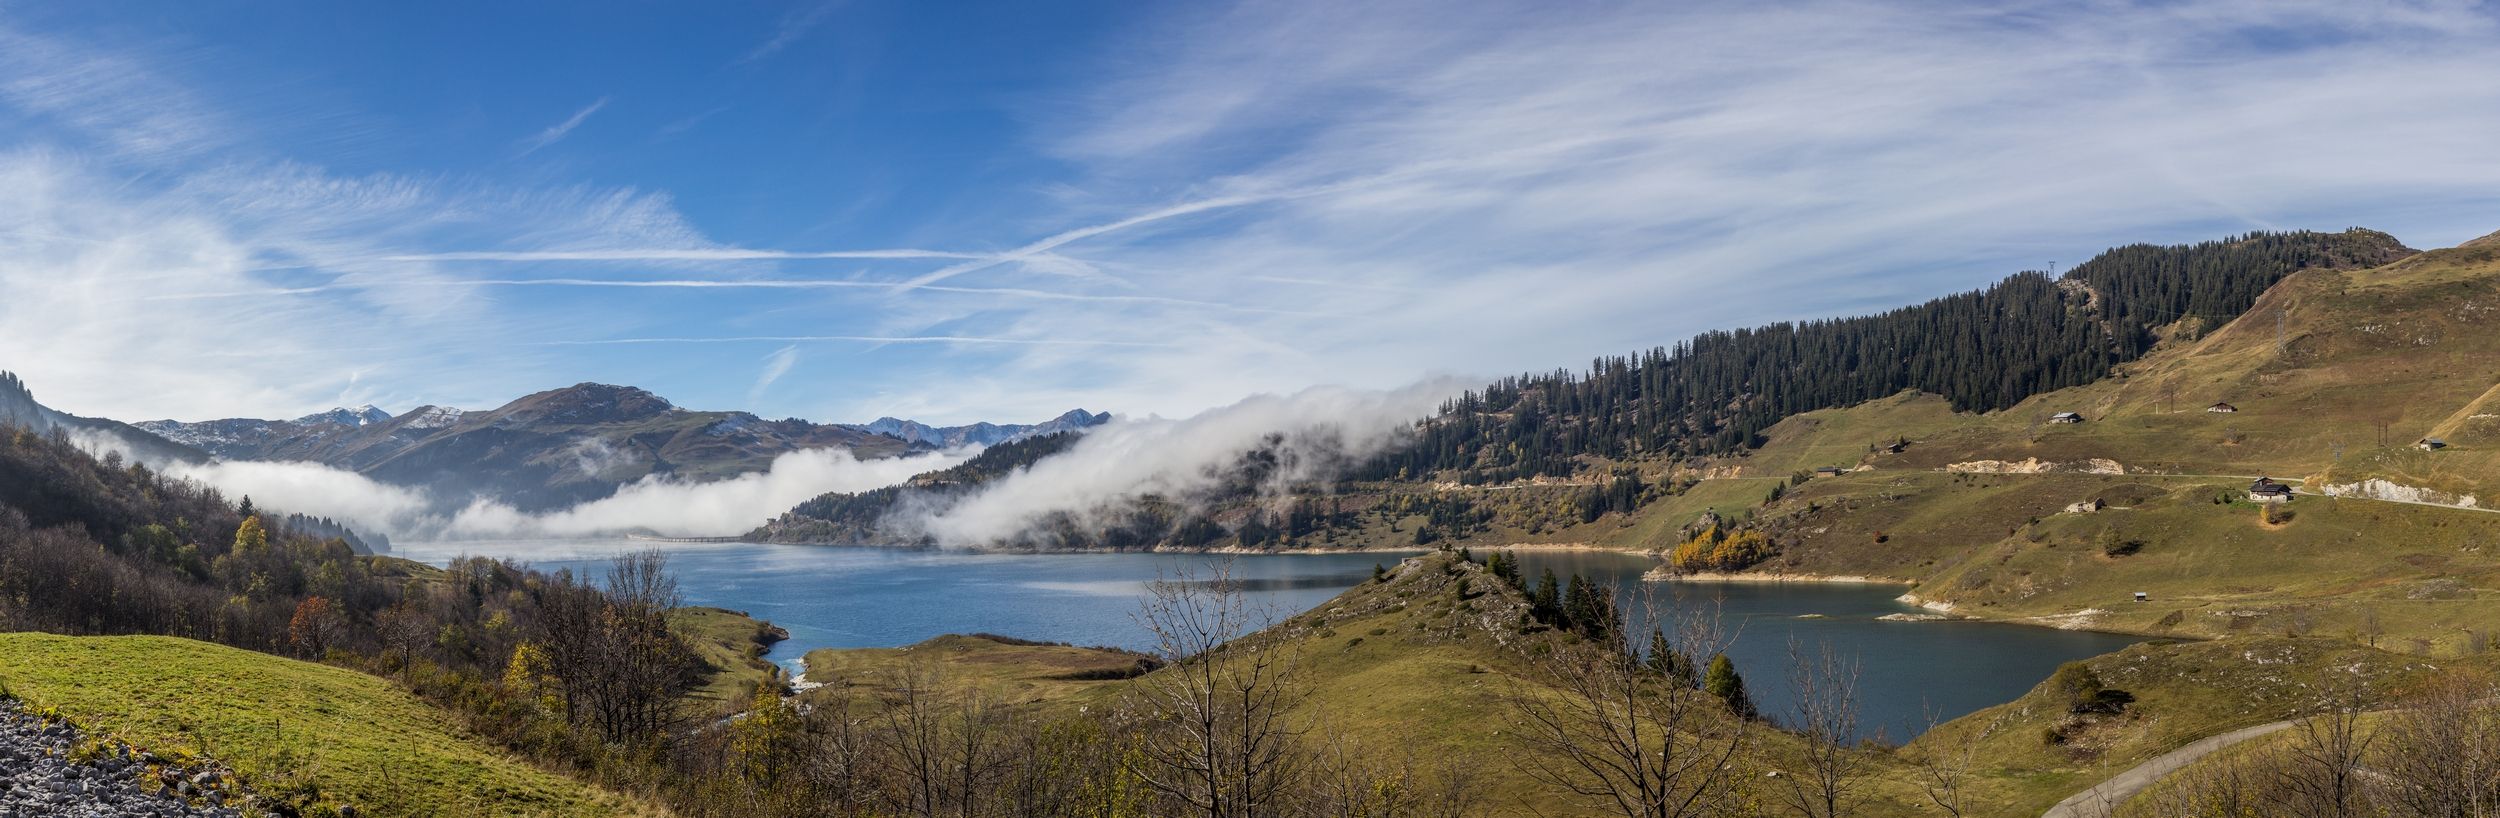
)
(838, 517)
(1982, 350)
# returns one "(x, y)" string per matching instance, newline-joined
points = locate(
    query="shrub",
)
(2084, 692)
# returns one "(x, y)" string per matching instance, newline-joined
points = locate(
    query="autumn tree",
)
(316, 626)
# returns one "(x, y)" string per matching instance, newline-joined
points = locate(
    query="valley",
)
(2050, 602)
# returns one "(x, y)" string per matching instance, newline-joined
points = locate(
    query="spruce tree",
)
(1546, 603)
(1722, 681)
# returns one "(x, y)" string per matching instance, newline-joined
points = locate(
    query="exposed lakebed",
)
(870, 597)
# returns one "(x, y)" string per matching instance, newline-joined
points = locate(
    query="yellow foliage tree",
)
(251, 538)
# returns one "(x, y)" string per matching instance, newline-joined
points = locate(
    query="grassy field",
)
(728, 640)
(332, 735)
(1015, 673)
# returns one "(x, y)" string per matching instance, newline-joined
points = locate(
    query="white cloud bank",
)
(708, 509)
(669, 506)
(1315, 435)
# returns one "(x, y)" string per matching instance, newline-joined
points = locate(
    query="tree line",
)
(1982, 350)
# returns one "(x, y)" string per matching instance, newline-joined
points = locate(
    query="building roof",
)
(2266, 486)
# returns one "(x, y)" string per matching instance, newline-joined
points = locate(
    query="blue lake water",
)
(867, 597)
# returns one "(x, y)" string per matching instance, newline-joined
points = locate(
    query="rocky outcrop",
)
(45, 769)
(2034, 465)
(2379, 489)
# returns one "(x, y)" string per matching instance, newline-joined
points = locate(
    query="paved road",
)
(2104, 798)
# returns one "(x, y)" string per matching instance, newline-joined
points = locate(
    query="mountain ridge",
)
(982, 433)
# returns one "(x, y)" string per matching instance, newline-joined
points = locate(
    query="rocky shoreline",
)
(45, 771)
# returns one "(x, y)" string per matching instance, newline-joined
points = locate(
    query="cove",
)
(839, 597)
(1907, 670)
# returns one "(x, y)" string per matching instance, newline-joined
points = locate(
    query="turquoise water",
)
(867, 597)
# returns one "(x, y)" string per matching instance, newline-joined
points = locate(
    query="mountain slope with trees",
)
(1982, 350)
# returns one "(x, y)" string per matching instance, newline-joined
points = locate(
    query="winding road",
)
(2103, 798)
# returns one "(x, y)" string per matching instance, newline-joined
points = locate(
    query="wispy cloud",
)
(557, 132)
(671, 130)
(776, 365)
(790, 29)
(123, 102)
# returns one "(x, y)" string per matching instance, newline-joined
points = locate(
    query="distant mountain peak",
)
(365, 415)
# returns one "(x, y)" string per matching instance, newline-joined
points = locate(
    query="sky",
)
(999, 211)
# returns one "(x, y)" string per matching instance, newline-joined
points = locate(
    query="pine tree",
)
(1546, 603)
(1669, 662)
(1575, 603)
(1721, 681)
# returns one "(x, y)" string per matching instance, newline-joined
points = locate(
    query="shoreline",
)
(1661, 574)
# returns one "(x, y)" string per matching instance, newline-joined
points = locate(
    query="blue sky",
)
(998, 211)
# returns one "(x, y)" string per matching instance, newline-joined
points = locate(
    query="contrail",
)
(677, 254)
(1055, 241)
(747, 284)
(870, 339)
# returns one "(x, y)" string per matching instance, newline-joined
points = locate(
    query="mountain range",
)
(981, 434)
(546, 450)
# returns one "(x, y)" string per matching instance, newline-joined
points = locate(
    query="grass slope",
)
(292, 726)
(1024, 673)
(2183, 692)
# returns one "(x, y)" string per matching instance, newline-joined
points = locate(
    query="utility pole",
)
(2280, 346)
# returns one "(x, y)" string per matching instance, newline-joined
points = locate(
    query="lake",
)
(871, 597)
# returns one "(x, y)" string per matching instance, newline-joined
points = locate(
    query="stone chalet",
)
(2065, 417)
(2268, 491)
(2223, 408)
(2430, 444)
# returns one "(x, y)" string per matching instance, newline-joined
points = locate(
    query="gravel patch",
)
(37, 777)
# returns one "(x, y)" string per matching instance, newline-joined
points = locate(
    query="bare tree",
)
(1221, 738)
(2319, 774)
(2441, 756)
(405, 628)
(1944, 769)
(1348, 780)
(618, 666)
(943, 744)
(1633, 740)
(2227, 786)
(1827, 718)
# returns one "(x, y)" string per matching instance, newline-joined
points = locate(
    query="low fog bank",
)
(1313, 437)
(717, 508)
(667, 505)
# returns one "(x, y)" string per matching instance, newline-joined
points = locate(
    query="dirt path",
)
(2104, 798)
(2385, 500)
